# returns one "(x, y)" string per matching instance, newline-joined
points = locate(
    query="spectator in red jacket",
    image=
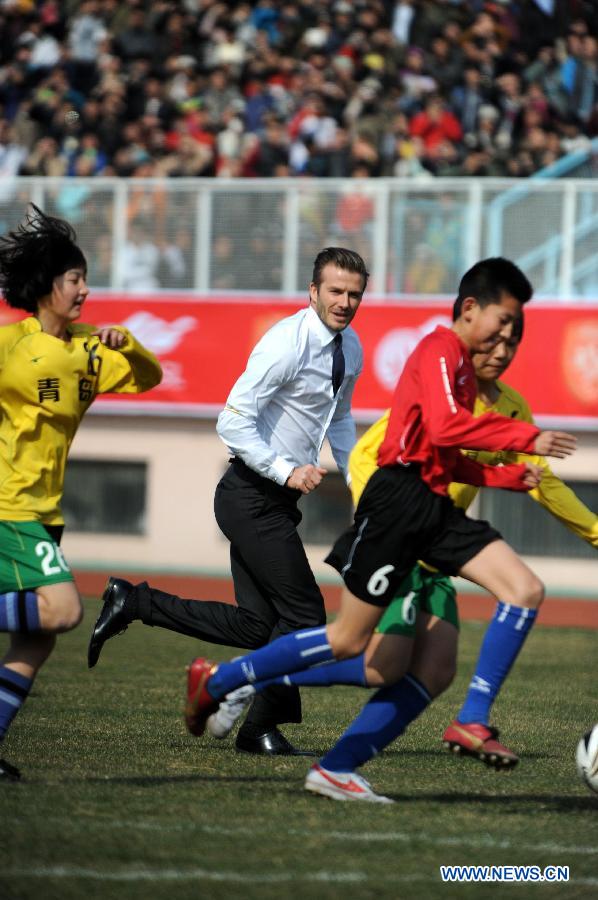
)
(435, 124)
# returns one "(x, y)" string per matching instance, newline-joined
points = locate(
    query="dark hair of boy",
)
(38, 250)
(489, 280)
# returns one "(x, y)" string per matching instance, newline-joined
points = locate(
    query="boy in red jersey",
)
(405, 514)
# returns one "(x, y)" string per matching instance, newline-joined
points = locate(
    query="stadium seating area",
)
(305, 87)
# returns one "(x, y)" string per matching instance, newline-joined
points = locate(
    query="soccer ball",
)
(587, 758)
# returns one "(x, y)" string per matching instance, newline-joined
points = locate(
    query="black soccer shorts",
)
(398, 521)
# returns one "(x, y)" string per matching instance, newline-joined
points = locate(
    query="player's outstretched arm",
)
(562, 502)
(127, 366)
(514, 477)
(555, 443)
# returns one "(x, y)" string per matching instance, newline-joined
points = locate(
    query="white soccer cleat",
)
(341, 785)
(220, 723)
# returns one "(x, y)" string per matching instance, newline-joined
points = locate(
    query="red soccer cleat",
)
(200, 703)
(475, 739)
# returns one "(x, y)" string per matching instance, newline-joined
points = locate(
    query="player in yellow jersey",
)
(51, 370)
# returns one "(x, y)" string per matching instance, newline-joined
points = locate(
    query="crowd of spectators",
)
(327, 88)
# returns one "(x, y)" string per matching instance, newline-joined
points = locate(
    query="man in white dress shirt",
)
(295, 391)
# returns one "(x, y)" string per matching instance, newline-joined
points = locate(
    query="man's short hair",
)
(343, 259)
(488, 280)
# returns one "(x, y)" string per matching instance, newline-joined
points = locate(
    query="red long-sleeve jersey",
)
(431, 419)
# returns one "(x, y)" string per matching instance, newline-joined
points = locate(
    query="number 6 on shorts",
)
(378, 582)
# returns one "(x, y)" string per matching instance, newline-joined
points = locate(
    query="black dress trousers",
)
(275, 589)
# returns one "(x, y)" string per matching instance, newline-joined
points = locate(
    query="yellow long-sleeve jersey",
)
(551, 493)
(46, 386)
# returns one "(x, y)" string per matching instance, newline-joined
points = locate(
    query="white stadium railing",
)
(417, 236)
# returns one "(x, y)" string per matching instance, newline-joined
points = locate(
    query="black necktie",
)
(338, 364)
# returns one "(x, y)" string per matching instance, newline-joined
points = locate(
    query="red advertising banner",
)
(203, 345)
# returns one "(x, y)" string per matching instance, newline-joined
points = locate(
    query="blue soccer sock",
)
(341, 671)
(19, 612)
(287, 654)
(14, 689)
(381, 720)
(502, 642)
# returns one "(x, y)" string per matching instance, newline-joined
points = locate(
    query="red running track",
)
(556, 611)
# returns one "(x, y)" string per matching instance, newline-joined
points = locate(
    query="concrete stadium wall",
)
(185, 460)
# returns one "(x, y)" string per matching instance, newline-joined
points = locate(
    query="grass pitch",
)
(118, 801)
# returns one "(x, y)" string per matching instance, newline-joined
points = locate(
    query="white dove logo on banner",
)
(157, 334)
(397, 345)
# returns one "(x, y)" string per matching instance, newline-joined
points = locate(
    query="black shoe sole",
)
(8, 772)
(254, 747)
(95, 647)
(260, 752)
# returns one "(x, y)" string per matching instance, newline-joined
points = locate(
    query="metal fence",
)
(417, 237)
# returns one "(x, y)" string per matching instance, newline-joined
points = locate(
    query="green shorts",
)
(29, 557)
(421, 590)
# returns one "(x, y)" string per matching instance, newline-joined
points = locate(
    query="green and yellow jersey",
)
(551, 493)
(46, 387)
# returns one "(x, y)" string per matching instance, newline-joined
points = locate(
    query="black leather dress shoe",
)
(8, 772)
(272, 743)
(112, 619)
